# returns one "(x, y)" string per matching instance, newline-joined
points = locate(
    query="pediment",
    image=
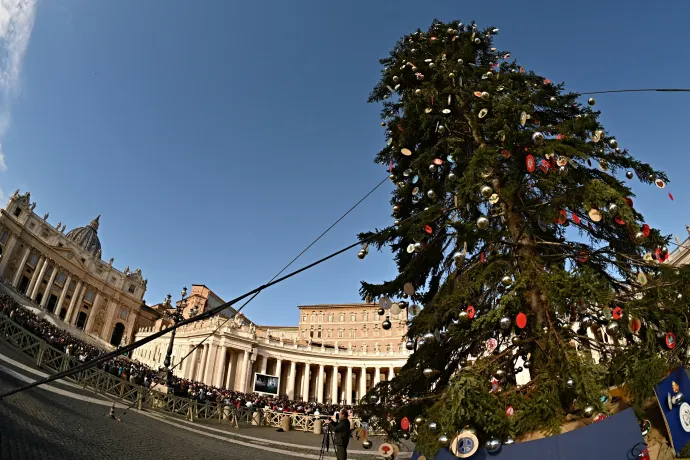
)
(71, 255)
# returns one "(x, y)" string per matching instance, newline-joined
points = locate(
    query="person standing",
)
(342, 436)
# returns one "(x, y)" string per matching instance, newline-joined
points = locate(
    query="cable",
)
(644, 90)
(200, 317)
(352, 208)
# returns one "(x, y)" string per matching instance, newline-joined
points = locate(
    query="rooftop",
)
(340, 305)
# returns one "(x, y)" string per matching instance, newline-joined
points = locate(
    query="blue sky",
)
(217, 139)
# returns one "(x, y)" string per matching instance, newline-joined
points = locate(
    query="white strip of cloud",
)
(16, 23)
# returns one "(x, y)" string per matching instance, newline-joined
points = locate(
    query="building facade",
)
(64, 275)
(310, 367)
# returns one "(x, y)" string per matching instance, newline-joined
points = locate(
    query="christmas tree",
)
(540, 285)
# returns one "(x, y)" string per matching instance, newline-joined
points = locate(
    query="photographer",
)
(342, 435)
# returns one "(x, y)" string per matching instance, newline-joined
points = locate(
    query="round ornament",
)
(493, 445)
(591, 101)
(642, 278)
(443, 440)
(529, 160)
(405, 423)
(408, 288)
(493, 199)
(406, 152)
(684, 414)
(386, 324)
(395, 309)
(595, 215)
(418, 421)
(428, 373)
(410, 248)
(366, 444)
(433, 426)
(506, 280)
(464, 445)
(409, 345)
(483, 223)
(629, 174)
(613, 143)
(670, 340)
(504, 323)
(381, 311)
(486, 191)
(521, 320)
(483, 112)
(386, 450)
(588, 411)
(385, 302)
(660, 183)
(538, 137)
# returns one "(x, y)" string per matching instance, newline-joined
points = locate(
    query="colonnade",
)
(49, 284)
(221, 365)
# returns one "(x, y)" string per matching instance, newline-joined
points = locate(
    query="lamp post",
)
(176, 316)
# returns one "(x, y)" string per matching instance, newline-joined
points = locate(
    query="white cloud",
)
(16, 23)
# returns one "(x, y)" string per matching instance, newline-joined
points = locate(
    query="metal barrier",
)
(101, 382)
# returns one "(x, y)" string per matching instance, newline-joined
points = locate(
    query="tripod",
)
(328, 440)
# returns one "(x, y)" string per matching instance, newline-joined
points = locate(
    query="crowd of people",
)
(141, 374)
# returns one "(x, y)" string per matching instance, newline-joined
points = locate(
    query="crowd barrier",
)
(52, 359)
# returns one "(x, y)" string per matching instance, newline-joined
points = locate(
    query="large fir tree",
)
(515, 230)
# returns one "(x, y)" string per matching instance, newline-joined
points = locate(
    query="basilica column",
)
(210, 363)
(264, 365)
(362, 383)
(187, 363)
(291, 381)
(73, 302)
(220, 366)
(319, 385)
(20, 269)
(334, 385)
(202, 364)
(75, 313)
(49, 286)
(33, 291)
(94, 310)
(34, 277)
(7, 252)
(377, 376)
(391, 374)
(348, 386)
(65, 287)
(307, 377)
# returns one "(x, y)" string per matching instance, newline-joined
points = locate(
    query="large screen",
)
(267, 384)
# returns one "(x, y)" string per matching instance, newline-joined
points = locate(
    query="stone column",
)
(210, 364)
(41, 274)
(202, 364)
(279, 369)
(229, 381)
(391, 374)
(334, 385)
(246, 371)
(319, 385)
(75, 313)
(94, 310)
(307, 377)
(20, 269)
(362, 383)
(49, 286)
(377, 376)
(187, 363)
(220, 366)
(264, 365)
(73, 302)
(37, 269)
(348, 386)
(291, 381)
(65, 287)
(7, 253)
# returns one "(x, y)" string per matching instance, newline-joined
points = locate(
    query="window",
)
(304, 334)
(330, 333)
(342, 317)
(365, 317)
(353, 317)
(318, 333)
(33, 260)
(311, 332)
(352, 333)
(304, 318)
(313, 317)
(389, 347)
(341, 332)
(4, 236)
(123, 313)
(89, 295)
(330, 317)
(132, 288)
(365, 332)
(32, 225)
(320, 317)
(73, 284)
(60, 279)
(17, 212)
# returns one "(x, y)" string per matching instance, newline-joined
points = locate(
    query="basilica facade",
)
(63, 274)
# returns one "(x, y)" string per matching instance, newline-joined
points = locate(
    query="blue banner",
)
(678, 414)
(615, 438)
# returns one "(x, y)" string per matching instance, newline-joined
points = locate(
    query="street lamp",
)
(176, 316)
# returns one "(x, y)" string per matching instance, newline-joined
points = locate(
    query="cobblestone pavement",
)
(50, 423)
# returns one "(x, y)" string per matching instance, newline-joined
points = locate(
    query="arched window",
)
(313, 317)
(365, 332)
(365, 316)
(304, 318)
(342, 317)
(318, 333)
(330, 317)
(320, 317)
(353, 317)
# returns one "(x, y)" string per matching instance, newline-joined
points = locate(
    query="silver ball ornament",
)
(418, 421)
(367, 444)
(452, 176)
(373, 399)
(591, 101)
(428, 372)
(570, 383)
(506, 280)
(432, 167)
(486, 191)
(386, 325)
(409, 345)
(443, 440)
(588, 411)
(381, 312)
(493, 445)
(629, 174)
(612, 328)
(613, 143)
(429, 337)
(504, 323)
(418, 247)
(464, 317)
(613, 208)
(431, 194)
(433, 426)
(527, 364)
(483, 223)
(538, 137)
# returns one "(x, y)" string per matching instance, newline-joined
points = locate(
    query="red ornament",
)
(428, 229)
(405, 424)
(617, 313)
(438, 161)
(510, 411)
(575, 218)
(670, 340)
(481, 257)
(390, 167)
(670, 196)
(619, 221)
(562, 217)
(470, 311)
(645, 230)
(629, 202)
(505, 153)
(521, 320)
(530, 163)
(583, 257)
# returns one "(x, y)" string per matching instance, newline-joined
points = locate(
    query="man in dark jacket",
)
(342, 436)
